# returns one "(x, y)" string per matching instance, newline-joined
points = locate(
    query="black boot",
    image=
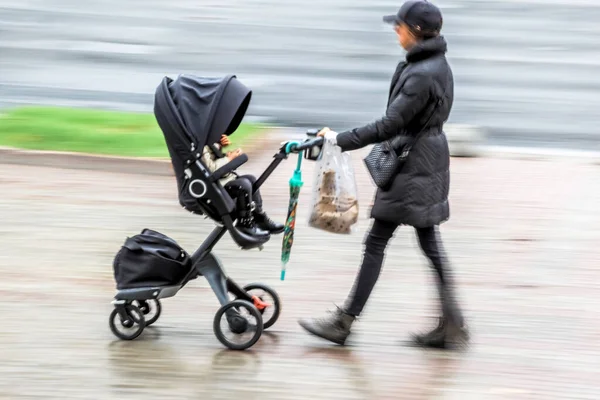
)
(451, 331)
(247, 225)
(447, 335)
(335, 328)
(267, 224)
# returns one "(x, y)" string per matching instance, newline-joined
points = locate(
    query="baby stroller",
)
(193, 112)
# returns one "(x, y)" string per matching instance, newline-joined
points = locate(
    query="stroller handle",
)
(307, 144)
(314, 147)
(311, 142)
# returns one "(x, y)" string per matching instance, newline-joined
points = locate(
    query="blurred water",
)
(525, 70)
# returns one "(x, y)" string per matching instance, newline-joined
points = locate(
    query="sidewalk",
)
(523, 239)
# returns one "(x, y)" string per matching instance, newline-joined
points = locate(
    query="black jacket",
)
(419, 194)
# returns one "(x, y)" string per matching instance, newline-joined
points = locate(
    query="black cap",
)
(420, 15)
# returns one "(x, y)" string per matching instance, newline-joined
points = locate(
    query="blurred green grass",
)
(93, 131)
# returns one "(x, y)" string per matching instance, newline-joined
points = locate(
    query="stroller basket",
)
(150, 259)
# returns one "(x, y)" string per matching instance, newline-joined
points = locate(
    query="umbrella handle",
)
(299, 164)
(297, 176)
(289, 147)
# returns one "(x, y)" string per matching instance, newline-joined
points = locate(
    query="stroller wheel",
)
(268, 295)
(238, 325)
(150, 308)
(131, 326)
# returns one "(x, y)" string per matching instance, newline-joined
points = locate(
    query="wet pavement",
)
(522, 239)
(525, 70)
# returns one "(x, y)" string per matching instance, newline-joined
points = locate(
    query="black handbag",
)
(383, 161)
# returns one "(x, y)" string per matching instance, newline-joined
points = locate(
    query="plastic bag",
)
(334, 206)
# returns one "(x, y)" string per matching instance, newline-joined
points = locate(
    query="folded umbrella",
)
(290, 223)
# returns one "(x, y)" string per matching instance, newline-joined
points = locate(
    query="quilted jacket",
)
(422, 87)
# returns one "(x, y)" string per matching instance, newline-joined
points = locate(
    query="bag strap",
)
(406, 150)
(132, 245)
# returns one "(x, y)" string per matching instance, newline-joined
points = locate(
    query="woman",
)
(420, 100)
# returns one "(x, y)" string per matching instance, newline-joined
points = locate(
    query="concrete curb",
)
(533, 154)
(469, 141)
(65, 160)
(127, 165)
(464, 140)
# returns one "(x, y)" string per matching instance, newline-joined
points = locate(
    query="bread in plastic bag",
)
(334, 206)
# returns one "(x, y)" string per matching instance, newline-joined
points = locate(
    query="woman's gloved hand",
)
(328, 135)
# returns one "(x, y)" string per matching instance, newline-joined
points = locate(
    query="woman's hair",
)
(422, 35)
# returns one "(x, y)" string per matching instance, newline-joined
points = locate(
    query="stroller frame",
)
(204, 262)
(194, 112)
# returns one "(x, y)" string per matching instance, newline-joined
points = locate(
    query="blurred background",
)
(80, 75)
(525, 70)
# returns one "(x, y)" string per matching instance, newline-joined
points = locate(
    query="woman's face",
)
(405, 37)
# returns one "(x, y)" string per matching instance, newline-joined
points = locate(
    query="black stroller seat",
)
(193, 112)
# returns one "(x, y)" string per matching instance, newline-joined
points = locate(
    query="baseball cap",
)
(420, 15)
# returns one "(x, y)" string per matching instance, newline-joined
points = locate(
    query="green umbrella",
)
(290, 223)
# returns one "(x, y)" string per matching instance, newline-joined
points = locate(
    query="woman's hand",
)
(225, 141)
(328, 135)
(323, 131)
(233, 154)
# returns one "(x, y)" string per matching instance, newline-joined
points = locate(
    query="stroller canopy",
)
(200, 110)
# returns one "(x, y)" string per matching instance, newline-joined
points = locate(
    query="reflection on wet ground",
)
(524, 249)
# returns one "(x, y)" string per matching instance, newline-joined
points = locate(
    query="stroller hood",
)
(193, 112)
(203, 108)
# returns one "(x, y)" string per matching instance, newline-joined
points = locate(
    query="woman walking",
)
(419, 103)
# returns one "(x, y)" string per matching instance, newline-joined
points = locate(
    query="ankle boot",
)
(335, 327)
(265, 223)
(247, 225)
(447, 335)
(451, 331)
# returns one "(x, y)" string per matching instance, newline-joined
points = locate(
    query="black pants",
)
(241, 190)
(375, 245)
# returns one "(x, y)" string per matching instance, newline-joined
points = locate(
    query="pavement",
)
(525, 70)
(522, 240)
